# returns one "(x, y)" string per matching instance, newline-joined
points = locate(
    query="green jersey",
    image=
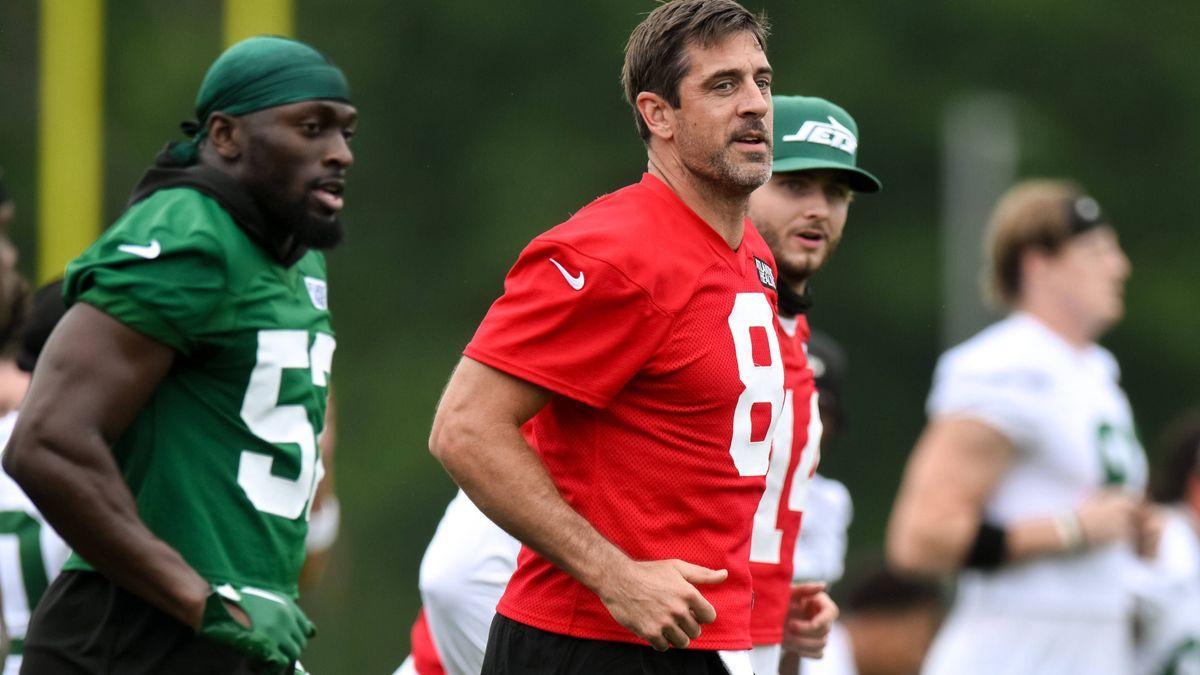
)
(223, 458)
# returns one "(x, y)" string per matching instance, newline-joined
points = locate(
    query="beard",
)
(744, 177)
(288, 214)
(796, 267)
(720, 166)
(288, 211)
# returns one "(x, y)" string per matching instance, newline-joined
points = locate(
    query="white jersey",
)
(821, 546)
(1168, 594)
(821, 556)
(1073, 431)
(31, 555)
(463, 574)
(838, 658)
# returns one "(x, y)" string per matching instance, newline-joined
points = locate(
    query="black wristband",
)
(989, 549)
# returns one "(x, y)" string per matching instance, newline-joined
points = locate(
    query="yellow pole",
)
(244, 18)
(71, 131)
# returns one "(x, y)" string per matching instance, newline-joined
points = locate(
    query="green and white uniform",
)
(31, 555)
(1168, 594)
(223, 458)
(1073, 431)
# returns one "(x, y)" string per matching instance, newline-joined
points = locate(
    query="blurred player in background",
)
(31, 552)
(821, 547)
(1168, 586)
(801, 213)
(170, 430)
(463, 574)
(1028, 477)
(888, 622)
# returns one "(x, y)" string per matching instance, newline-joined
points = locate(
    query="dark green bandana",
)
(255, 74)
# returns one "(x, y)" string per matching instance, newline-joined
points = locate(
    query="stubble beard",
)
(740, 177)
(796, 271)
(721, 171)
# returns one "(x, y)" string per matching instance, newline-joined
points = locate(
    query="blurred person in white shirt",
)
(1167, 586)
(1028, 478)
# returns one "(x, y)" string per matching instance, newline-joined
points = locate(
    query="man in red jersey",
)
(801, 213)
(638, 338)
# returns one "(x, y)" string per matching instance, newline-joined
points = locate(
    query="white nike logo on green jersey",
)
(149, 251)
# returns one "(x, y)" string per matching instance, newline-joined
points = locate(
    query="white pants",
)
(463, 574)
(764, 659)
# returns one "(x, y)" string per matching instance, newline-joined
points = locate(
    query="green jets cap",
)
(812, 133)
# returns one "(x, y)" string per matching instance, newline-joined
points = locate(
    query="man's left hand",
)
(810, 616)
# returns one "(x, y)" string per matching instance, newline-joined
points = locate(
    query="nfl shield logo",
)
(765, 275)
(318, 292)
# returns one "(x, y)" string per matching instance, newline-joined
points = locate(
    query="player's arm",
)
(477, 438)
(92, 378)
(937, 522)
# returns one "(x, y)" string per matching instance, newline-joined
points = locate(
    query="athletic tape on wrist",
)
(1070, 532)
(323, 526)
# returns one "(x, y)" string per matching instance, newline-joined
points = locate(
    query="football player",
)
(31, 552)
(461, 582)
(1167, 586)
(1028, 477)
(170, 430)
(801, 212)
(639, 339)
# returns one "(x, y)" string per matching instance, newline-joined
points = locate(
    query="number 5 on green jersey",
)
(279, 350)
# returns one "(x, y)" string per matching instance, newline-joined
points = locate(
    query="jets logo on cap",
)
(834, 134)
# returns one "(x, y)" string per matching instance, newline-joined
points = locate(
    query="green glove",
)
(278, 631)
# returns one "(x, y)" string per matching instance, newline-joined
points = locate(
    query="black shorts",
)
(514, 648)
(86, 625)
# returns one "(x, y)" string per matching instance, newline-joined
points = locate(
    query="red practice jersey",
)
(660, 343)
(794, 457)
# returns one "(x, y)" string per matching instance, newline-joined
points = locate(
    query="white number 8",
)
(764, 383)
(266, 418)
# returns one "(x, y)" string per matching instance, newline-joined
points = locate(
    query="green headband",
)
(258, 73)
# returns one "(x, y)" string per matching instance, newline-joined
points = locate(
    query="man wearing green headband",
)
(170, 430)
(800, 212)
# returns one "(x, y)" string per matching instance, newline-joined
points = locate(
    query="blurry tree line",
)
(484, 123)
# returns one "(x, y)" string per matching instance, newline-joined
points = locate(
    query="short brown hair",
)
(655, 58)
(1033, 214)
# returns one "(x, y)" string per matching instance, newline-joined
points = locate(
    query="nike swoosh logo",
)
(576, 281)
(149, 251)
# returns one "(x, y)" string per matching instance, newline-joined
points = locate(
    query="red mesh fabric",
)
(640, 440)
(772, 582)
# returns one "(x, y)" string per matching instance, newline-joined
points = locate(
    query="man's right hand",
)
(277, 631)
(657, 601)
(1107, 515)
